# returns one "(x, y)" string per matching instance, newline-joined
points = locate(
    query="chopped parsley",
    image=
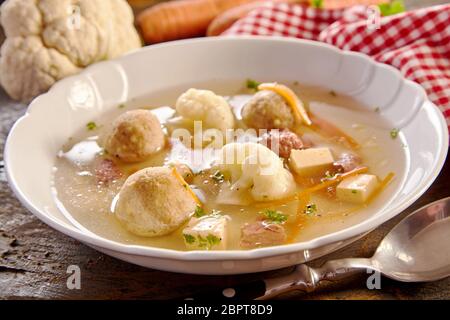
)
(203, 242)
(208, 242)
(218, 176)
(252, 84)
(377, 109)
(310, 209)
(199, 212)
(91, 126)
(190, 239)
(394, 133)
(354, 191)
(329, 175)
(275, 216)
(391, 8)
(121, 106)
(317, 4)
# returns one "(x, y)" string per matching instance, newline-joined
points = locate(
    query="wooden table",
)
(34, 258)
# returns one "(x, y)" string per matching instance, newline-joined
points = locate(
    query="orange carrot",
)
(227, 18)
(186, 186)
(182, 18)
(332, 181)
(330, 130)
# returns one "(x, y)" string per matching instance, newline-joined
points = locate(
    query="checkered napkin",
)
(416, 42)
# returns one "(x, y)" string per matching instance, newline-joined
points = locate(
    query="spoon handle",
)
(307, 279)
(303, 278)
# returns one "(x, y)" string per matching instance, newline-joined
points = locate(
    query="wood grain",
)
(34, 258)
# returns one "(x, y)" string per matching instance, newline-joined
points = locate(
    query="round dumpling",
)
(256, 168)
(154, 202)
(267, 110)
(135, 136)
(206, 106)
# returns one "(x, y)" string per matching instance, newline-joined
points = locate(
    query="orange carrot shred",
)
(186, 185)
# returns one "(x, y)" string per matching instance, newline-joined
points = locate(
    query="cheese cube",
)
(311, 161)
(206, 233)
(357, 189)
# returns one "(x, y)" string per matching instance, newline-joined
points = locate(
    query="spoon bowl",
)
(417, 248)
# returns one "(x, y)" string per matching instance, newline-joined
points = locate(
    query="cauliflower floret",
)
(48, 40)
(204, 105)
(256, 168)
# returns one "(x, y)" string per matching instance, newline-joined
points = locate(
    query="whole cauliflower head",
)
(47, 40)
(255, 167)
(206, 106)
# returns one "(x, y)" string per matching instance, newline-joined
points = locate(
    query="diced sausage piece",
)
(347, 162)
(282, 142)
(262, 234)
(106, 172)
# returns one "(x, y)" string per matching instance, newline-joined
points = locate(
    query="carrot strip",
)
(383, 184)
(186, 185)
(328, 129)
(292, 100)
(333, 181)
(313, 189)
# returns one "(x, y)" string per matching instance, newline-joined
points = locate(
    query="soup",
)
(158, 172)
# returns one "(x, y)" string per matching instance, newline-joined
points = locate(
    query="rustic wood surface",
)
(34, 258)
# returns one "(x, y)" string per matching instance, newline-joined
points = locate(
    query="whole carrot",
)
(227, 18)
(182, 18)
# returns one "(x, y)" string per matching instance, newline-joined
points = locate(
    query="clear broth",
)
(88, 205)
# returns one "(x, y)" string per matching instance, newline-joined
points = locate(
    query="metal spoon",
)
(416, 250)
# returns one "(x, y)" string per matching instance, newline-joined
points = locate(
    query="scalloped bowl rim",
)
(355, 230)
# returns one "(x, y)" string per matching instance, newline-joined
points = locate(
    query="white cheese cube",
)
(357, 188)
(311, 161)
(206, 233)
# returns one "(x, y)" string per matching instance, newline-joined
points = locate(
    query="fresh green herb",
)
(354, 191)
(212, 240)
(377, 110)
(253, 84)
(329, 175)
(208, 242)
(275, 216)
(391, 8)
(121, 106)
(190, 239)
(394, 133)
(199, 212)
(333, 93)
(310, 209)
(218, 176)
(91, 126)
(317, 4)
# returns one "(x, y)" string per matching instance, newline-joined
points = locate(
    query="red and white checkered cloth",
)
(415, 42)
